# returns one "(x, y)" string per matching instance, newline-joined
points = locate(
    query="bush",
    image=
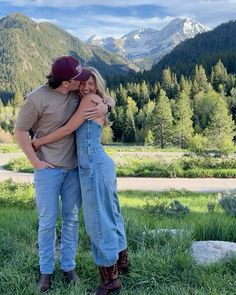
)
(198, 144)
(226, 147)
(228, 203)
(173, 209)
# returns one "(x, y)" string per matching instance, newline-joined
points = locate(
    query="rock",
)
(207, 252)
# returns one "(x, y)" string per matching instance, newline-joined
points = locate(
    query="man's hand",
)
(42, 164)
(96, 112)
(35, 144)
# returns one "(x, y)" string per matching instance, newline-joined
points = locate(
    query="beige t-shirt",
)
(46, 110)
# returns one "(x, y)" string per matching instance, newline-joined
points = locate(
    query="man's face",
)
(73, 85)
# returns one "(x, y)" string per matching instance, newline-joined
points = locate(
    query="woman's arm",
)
(75, 121)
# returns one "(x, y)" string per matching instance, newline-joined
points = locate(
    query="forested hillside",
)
(27, 49)
(190, 109)
(205, 49)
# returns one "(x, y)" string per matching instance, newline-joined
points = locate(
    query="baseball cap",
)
(67, 68)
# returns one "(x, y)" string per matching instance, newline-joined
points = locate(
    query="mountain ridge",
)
(149, 45)
(27, 50)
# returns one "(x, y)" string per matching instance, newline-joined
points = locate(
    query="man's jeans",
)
(50, 184)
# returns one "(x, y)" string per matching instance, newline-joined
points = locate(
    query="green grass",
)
(160, 264)
(148, 164)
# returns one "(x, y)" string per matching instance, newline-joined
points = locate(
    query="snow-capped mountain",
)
(149, 44)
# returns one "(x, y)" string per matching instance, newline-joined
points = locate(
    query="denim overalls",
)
(103, 220)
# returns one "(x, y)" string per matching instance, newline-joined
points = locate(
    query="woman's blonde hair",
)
(101, 87)
(100, 82)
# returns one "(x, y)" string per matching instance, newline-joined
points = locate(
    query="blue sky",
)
(116, 18)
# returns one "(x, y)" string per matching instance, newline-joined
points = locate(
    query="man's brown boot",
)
(71, 276)
(110, 282)
(123, 264)
(44, 283)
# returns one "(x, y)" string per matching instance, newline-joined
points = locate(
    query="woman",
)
(103, 220)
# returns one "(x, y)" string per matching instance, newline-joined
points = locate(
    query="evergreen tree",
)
(129, 134)
(162, 121)
(107, 135)
(169, 83)
(185, 85)
(204, 104)
(200, 82)
(183, 120)
(219, 76)
(117, 118)
(221, 128)
(17, 100)
(144, 95)
(149, 139)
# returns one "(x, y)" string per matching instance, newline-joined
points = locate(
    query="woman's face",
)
(88, 86)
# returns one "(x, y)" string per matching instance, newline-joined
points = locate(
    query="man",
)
(45, 109)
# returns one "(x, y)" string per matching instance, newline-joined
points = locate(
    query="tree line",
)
(196, 112)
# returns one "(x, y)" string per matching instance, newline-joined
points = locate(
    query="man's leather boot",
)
(44, 283)
(123, 264)
(110, 282)
(71, 276)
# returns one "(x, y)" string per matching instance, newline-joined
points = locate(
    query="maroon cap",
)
(67, 68)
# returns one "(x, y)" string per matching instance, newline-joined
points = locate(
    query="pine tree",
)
(162, 121)
(185, 85)
(219, 76)
(200, 82)
(117, 118)
(183, 120)
(149, 139)
(169, 83)
(144, 94)
(129, 134)
(107, 135)
(221, 128)
(204, 104)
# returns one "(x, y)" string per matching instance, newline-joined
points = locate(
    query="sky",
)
(84, 18)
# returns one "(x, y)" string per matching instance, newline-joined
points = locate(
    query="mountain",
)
(27, 49)
(205, 49)
(147, 46)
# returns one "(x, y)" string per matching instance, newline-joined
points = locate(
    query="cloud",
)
(84, 18)
(120, 3)
(40, 20)
(113, 26)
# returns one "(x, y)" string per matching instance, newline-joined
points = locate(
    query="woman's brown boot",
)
(110, 282)
(123, 264)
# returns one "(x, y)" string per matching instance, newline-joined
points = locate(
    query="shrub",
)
(211, 207)
(173, 209)
(226, 147)
(228, 203)
(198, 144)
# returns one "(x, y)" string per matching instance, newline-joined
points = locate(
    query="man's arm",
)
(75, 121)
(25, 144)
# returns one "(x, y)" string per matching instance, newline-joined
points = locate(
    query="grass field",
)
(156, 164)
(160, 264)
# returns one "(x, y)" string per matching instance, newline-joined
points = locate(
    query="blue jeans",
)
(103, 220)
(50, 185)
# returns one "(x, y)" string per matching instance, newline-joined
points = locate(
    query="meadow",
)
(145, 162)
(160, 264)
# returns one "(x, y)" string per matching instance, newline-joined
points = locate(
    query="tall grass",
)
(160, 264)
